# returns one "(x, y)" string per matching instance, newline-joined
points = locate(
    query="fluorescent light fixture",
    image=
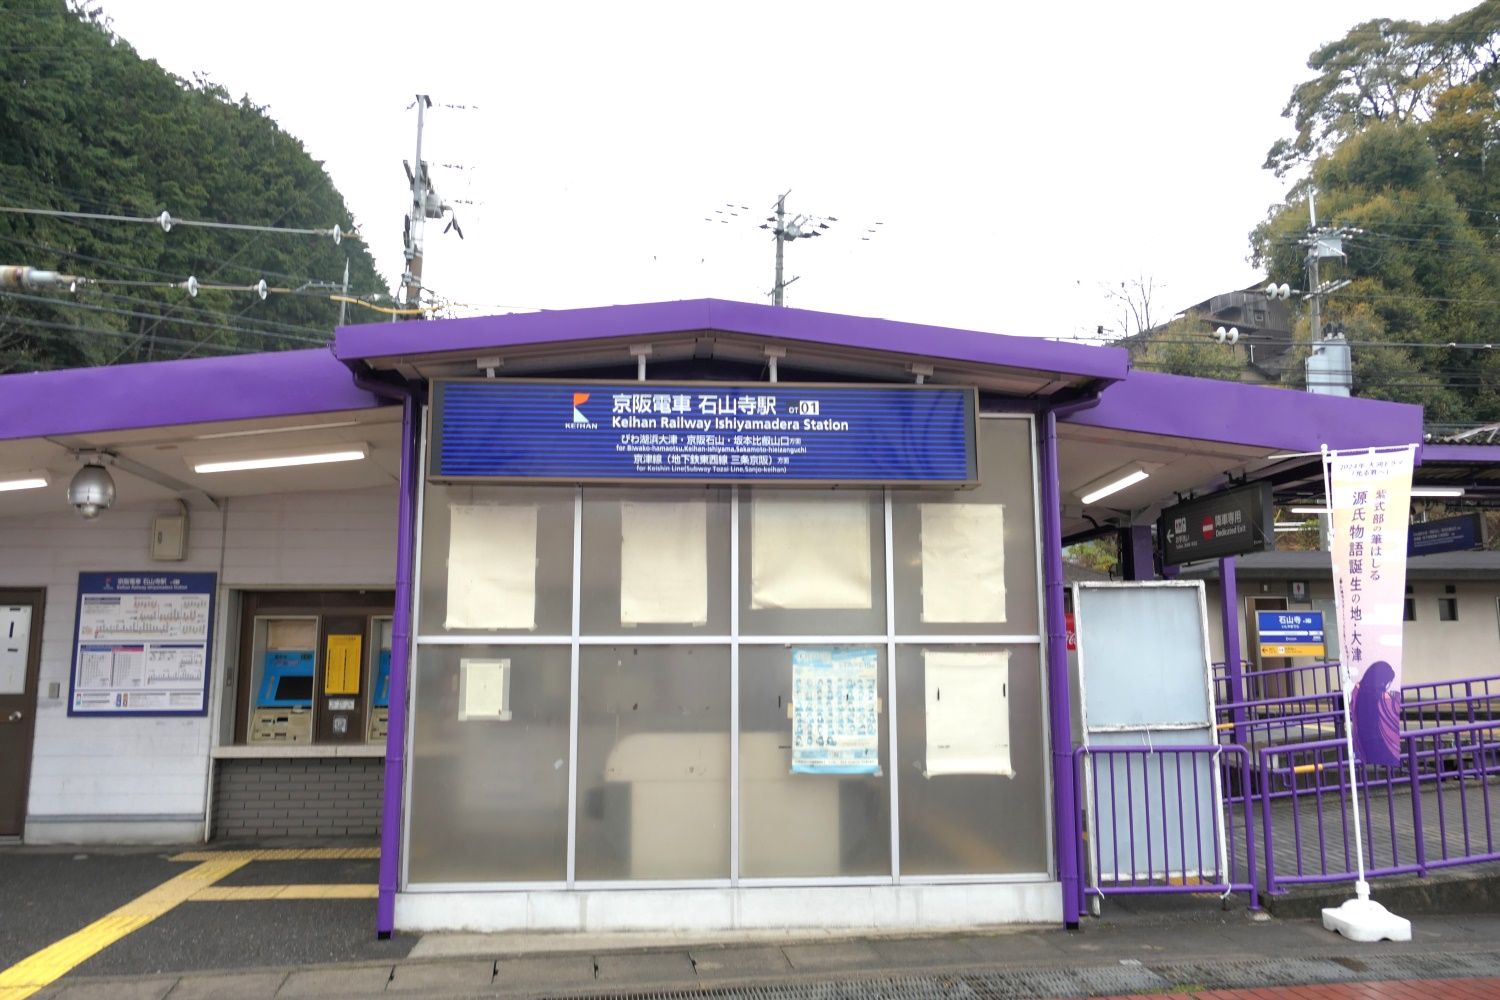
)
(1295, 525)
(1113, 483)
(274, 430)
(348, 454)
(28, 480)
(1308, 510)
(1437, 491)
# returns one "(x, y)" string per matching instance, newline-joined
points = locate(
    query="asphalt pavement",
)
(326, 947)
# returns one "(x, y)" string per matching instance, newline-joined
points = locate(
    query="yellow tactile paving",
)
(285, 854)
(244, 893)
(48, 965)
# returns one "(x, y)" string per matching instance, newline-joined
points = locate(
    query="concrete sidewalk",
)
(1193, 945)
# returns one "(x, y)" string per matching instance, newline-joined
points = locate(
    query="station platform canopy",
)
(1191, 435)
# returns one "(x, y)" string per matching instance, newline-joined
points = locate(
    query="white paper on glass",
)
(664, 563)
(15, 647)
(968, 713)
(809, 551)
(483, 690)
(492, 566)
(963, 562)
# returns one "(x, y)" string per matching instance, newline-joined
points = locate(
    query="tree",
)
(1385, 70)
(87, 125)
(1424, 281)
(1184, 347)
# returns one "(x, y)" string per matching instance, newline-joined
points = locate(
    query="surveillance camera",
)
(91, 490)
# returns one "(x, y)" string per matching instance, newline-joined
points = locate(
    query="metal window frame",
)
(890, 639)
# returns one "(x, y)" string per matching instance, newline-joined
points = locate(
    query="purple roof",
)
(488, 333)
(167, 393)
(1254, 415)
(1476, 453)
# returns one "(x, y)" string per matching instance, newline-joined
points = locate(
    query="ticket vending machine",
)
(379, 710)
(341, 688)
(284, 661)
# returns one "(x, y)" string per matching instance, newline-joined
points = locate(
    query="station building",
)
(694, 614)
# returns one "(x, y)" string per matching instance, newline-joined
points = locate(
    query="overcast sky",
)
(1021, 158)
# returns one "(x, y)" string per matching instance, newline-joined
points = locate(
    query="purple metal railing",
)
(1289, 765)
(1155, 848)
(1438, 810)
(1307, 680)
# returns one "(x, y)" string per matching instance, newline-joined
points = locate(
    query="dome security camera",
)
(91, 490)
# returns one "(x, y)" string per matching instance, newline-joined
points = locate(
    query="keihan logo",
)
(580, 421)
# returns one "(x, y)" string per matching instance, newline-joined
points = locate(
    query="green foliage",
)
(1387, 71)
(1100, 554)
(1183, 347)
(1398, 129)
(87, 125)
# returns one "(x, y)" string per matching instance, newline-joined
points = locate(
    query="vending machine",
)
(341, 690)
(284, 661)
(380, 683)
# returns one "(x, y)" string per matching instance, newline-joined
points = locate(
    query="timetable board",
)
(141, 644)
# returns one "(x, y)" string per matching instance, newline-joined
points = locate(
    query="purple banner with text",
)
(1370, 501)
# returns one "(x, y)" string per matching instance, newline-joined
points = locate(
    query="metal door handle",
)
(14, 716)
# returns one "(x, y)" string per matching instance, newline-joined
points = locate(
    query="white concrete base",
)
(602, 911)
(113, 833)
(1365, 920)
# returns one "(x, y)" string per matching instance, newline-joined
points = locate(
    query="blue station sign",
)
(1450, 534)
(491, 429)
(1291, 633)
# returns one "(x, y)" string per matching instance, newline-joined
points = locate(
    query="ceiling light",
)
(275, 430)
(1113, 483)
(1308, 510)
(22, 481)
(1437, 491)
(1295, 525)
(352, 454)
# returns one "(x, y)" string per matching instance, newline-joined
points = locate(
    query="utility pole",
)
(416, 218)
(800, 227)
(778, 290)
(1315, 300)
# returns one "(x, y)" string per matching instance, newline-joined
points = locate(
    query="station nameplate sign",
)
(767, 432)
(1290, 633)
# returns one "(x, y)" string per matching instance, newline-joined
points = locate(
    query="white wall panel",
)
(156, 768)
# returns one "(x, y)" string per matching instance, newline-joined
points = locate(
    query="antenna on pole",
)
(425, 204)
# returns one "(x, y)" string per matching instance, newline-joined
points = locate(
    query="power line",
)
(166, 222)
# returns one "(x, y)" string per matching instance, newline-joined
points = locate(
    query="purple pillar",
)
(395, 739)
(1064, 801)
(1229, 600)
(1141, 559)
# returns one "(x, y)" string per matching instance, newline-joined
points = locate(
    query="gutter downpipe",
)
(1059, 688)
(395, 739)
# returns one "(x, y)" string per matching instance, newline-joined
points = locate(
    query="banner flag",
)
(1370, 502)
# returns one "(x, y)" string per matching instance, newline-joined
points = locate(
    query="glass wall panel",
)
(804, 825)
(506, 552)
(949, 543)
(961, 812)
(653, 762)
(812, 562)
(489, 766)
(655, 561)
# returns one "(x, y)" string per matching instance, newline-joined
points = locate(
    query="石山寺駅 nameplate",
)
(641, 431)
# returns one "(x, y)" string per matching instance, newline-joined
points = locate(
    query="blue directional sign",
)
(1450, 534)
(1290, 633)
(767, 432)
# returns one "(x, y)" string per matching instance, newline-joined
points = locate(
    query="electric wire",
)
(167, 223)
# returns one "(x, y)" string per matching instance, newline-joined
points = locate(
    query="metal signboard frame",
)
(1229, 523)
(892, 444)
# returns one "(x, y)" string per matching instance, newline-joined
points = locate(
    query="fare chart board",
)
(501, 429)
(141, 644)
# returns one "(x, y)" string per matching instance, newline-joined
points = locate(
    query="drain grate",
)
(1028, 984)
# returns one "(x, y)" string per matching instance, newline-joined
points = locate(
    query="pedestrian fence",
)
(1149, 821)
